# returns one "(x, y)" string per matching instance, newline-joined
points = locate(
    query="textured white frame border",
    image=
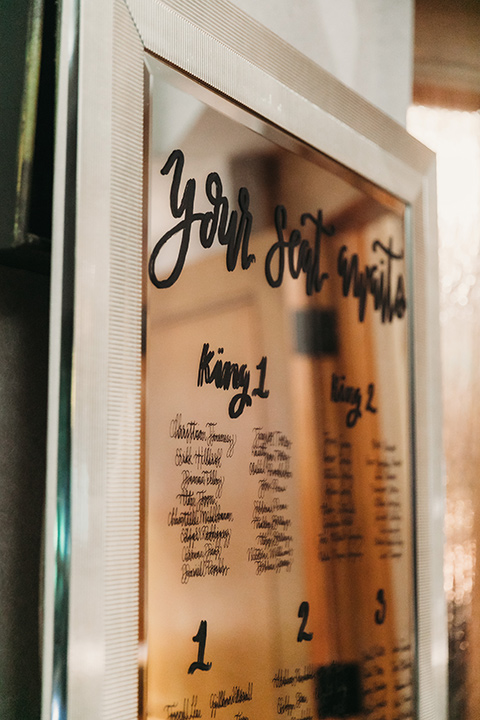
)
(221, 47)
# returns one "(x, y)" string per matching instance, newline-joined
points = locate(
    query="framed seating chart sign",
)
(244, 484)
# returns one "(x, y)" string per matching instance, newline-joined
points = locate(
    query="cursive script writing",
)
(189, 710)
(343, 393)
(223, 699)
(231, 229)
(374, 280)
(225, 374)
(291, 253)
(301, 256)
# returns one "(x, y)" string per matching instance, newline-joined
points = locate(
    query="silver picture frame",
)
(93, 541)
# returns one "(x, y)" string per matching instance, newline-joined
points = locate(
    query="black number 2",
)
(201, 639)
(303, 611)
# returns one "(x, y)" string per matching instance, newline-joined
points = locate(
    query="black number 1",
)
(303, 611)
(260, 389)
(201, 639)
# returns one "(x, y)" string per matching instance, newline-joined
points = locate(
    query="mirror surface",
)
(279, 580)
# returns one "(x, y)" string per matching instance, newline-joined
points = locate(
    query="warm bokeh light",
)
(455, 137)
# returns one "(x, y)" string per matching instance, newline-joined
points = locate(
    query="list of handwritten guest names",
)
(270, 464)
(386, 469)
(200, 456)
(295, 689)
(340, 538)
(387, 679)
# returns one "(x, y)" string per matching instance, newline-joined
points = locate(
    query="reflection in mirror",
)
(278, 520)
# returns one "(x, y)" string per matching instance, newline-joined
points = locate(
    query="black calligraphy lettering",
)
(301, 256)
(232, 230)
(201, 639)
(260, 389)
(307, 260)
(278, 247)
(380, 614)
(225, 374)
(303, 612)
(371, 392)
(343, 393)
(204, 365)
(374, 280)
(185, 207)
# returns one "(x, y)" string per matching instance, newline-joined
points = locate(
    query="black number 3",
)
(380, 614)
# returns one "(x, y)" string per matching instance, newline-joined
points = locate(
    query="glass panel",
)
(278, 525)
